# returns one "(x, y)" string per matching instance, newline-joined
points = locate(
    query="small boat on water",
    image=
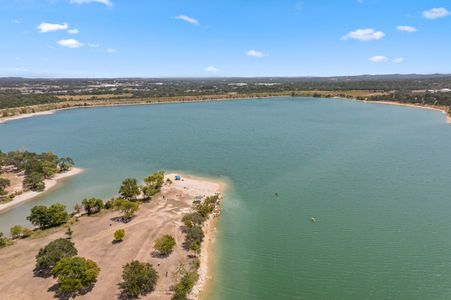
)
(313, 220)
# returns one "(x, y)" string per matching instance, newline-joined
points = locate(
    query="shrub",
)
(119, 235)
(128, 208)
(193, 219)
(19, 231)
(129, 189)
(45, 217)
(34, 182)
(165, 245)
(92, 205)
(54, 252)
(194, 237)
(75, 273)
(3, 240)
(186, 284)
(138, 279)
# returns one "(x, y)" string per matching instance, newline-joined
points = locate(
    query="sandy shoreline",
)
(49, 184)
(27, 115)
(430, 107)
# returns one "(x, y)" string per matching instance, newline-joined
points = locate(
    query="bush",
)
(4, 183)
(194, 237)
(138, 279)
(3, 240)
(165, 245)
(75, 273)
(186, 284)
(153, 184)
(45, 217)
(18, 231)
(128, 208)
(53, 253)
(119, 235)
(34, 182)
(193, 219)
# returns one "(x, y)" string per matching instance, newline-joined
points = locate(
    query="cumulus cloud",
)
(378, 59)
(367, 34)
(255, 53)
(111, 50)
(48, 27)
(436, 13)
(106, 2)
(188, 19)
(70, 43)
(73, 31)
(398, 60)
(407, 28)
(212, 69)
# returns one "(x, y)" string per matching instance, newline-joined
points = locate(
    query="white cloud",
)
(398, 60)
(15, 21)
(212, 69)
(367, 34)
(111, 50)
(378, 59)
(255, 53)
(188, 19)
(73, 31)
(48, 27)
(436, 13)
(91, 45)
(70, 43)
(106, 2)
(407, 28)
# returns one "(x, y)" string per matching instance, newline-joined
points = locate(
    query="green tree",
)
(194, 237)
(129, 189)
(34, 182)
(152, 184)
(75, 274)
(48, 169)
(65, 164)
(138, 279)
(193, 219)
(119, 235)
(19, 231)
(165, 245)
(92, 205)
(4, 183)
(186, 284)
(128, 208)
(45, 217)
(54, 252)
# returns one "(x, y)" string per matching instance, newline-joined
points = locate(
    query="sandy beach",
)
(49, 185)
(28, 115)
(93, 238)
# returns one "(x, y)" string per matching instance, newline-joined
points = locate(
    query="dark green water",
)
(376, 177)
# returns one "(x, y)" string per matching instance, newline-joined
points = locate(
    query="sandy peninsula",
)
(93, 238)
(50, 184)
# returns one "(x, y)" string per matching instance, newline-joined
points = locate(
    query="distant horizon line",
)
(227, 77)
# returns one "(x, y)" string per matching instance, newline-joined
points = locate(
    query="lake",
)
(376, 177)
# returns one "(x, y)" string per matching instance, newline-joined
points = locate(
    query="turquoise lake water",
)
(376, 177)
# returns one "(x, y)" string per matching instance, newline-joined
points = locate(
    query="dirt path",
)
(93, 238)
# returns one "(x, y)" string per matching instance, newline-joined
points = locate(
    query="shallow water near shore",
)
(376, 178)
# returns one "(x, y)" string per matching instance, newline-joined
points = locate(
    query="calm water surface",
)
(376, 177)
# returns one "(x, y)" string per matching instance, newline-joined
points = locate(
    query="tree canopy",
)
(44, 217)
(165, 245)
(129, 189)
(75, 273)
(53, 253)
(139, 278)
(92, 205)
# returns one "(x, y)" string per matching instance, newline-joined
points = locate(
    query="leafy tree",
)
(128, 208)
(4, 183)
(19, 231)
(194, 237)
(186, 284)
(129, 189)
(75, 274)
(119, 235)
(34, 182)
(77, 208)
(92, 205)
(54, 252)
(165, 245)
(193, 219)
(153, 184)
(65, 164)
(45, 217)
(48, 168)
(138, 279)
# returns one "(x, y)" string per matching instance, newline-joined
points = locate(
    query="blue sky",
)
(202, 38)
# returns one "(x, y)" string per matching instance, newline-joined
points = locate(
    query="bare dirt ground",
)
(93, 238)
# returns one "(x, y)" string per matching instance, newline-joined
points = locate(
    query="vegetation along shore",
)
(149, 242)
